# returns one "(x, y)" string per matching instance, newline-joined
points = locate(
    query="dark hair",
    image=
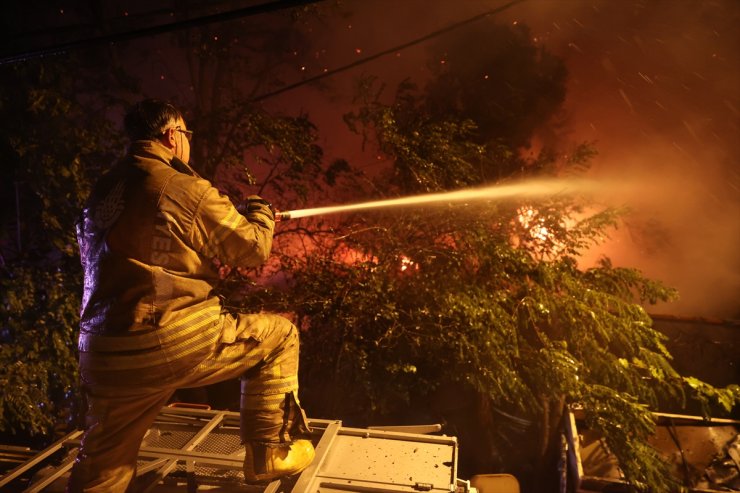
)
(148, 119)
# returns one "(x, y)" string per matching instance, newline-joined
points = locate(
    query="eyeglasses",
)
(188, 133)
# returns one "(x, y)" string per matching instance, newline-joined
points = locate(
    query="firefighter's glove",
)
(224, 270)
(255, 208)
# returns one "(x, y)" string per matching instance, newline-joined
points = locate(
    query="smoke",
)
(653, 84)
(680, 228)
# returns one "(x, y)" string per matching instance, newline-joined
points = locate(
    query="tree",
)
(404, 310)
(223, 71)
(409, 313)
(48, 165)
(509, 85)
(58, 137)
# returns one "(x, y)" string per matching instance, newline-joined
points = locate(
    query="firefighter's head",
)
(152, 119)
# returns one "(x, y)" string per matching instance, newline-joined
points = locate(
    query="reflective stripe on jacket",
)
(148, 236)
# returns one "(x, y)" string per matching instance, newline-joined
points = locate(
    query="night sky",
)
(652, 83)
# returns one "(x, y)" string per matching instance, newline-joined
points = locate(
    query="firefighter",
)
(155, 239)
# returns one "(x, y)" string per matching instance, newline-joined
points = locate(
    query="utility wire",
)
(361, 61)
(245, 12)
(159, 29)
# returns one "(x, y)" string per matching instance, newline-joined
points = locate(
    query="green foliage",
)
(40, 313)
(430, 154)
(401, 306)
(228, 68)
(492, 315)
(50, 161)
(395, 308)
(282, 147)
(707, 395)
(446, 299)
(626, 424)
(56, 140)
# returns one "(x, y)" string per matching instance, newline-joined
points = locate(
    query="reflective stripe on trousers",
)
(262, 348)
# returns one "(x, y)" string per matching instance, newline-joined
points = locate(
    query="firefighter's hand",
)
(225, 269)
(256, 205)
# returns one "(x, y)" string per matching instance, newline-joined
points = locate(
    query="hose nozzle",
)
(282, 216)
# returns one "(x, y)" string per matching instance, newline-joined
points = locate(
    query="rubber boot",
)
(267, 462)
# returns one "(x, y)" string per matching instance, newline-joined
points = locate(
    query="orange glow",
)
(533, 224)
(408, 264)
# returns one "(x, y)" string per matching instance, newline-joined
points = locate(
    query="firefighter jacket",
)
(148, 236)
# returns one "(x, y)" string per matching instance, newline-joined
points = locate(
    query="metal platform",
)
(199, 450)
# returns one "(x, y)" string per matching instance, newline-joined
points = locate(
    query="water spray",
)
(534, 188)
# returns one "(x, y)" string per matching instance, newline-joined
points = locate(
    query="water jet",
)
(524, 189)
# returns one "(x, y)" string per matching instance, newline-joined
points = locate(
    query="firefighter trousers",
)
(266, 359)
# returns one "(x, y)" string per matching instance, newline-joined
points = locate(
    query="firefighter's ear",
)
(169, 138)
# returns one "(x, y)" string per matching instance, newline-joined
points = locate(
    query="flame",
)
(408, 264)
(536, 232)
(528, 218)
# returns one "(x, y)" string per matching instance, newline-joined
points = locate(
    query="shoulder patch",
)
(110, 208)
